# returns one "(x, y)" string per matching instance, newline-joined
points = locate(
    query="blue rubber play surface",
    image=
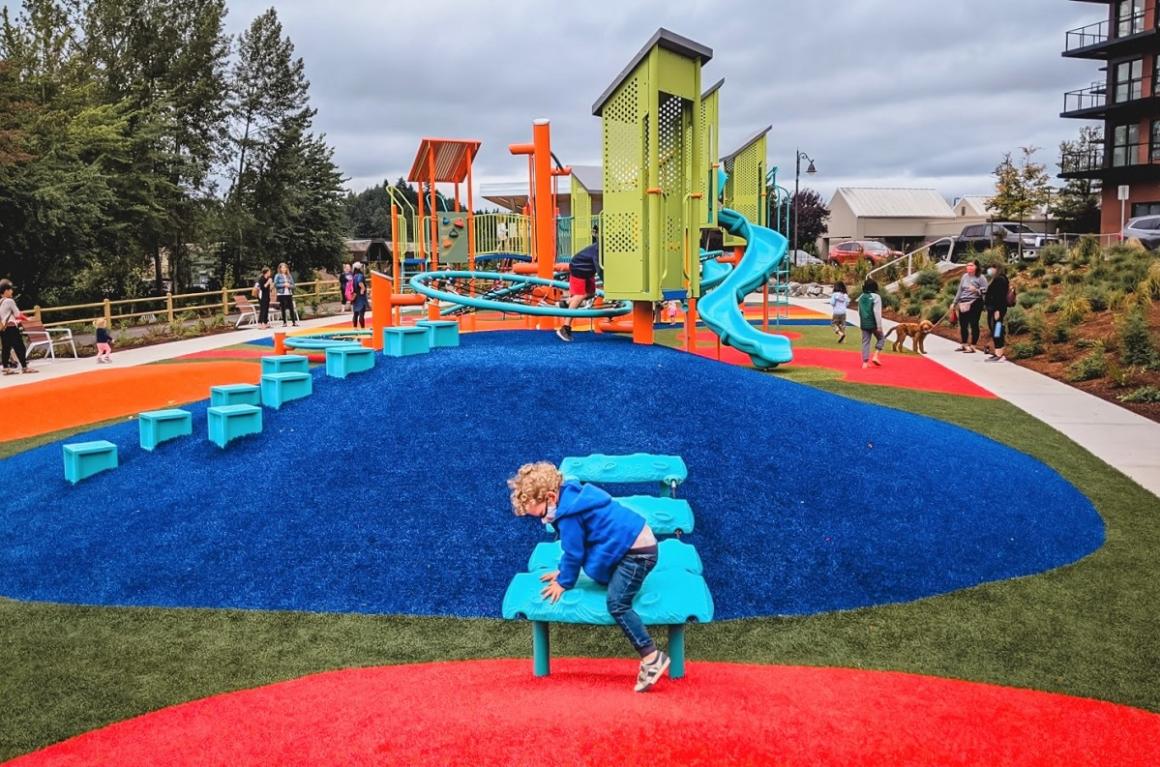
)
(385, 493)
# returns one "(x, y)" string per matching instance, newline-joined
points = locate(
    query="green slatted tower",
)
(745, 191)
(581, 216)
(652, 147)
(710, 146)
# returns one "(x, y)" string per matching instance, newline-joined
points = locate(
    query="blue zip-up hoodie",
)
(586, 263)
(595, 531)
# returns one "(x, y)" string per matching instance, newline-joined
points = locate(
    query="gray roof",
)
(747, 143)
(591, 177)
(868, 202)
(666, 39)
(713, 89)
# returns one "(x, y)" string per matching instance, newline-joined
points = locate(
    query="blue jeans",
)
(623, 587)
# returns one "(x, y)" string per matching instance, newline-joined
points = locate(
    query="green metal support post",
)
(541, 649)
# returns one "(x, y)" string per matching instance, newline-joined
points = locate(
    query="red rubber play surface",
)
(907, 371)
(497, 713)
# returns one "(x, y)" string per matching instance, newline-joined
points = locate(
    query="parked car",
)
(1011, 235)
(1146, 229)
(854, 251)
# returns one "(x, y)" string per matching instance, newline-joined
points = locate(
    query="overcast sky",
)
(878, 92)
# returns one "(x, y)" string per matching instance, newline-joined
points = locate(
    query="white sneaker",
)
(650, 673)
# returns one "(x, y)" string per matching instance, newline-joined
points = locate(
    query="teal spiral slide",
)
(720, 310)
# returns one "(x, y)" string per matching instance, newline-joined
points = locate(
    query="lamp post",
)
(811, 170)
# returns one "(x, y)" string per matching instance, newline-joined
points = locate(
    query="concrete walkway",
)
(1129, 442)
(143, 355)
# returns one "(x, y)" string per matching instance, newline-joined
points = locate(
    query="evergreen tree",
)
(1020, 190)
(1077, 205)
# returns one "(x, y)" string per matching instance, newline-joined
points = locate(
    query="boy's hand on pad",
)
(550, 576)
(552, 592)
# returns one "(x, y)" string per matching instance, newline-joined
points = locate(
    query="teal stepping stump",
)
(440, 333)
(668, 598)
(406, 342)
(84, 459)
(669, 470)
(285, 363)
(344, 360)
(672, 555)
(235, 394)
(157, 426)
(280, 388)
(228, 422)
(666, 516)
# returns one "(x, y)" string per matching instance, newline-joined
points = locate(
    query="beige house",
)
(972, 209)
(901, 218)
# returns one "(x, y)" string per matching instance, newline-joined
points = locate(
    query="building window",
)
(1129, 80)
(1129, 17)
(1145, 209)
(1125, 145)
(1156, 141)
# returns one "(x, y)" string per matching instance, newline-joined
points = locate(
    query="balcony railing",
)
(1096, 95)
(1092, 34)
(1082, 161)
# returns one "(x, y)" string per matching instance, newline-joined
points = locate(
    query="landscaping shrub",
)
(937, 311)
(1135, 342)
(1074, 278)
(1056, 279)
(1149, 287)
(1086, 251)
(1097, 298)
(1016, 321)
(1115, 299)
(1025, 350)
(1143, 394)
(928, 278)
(1060, 333)
(890, 301)
(1073, 307)
(1053, 253)
(1089, 367)
(1037, 326)
(1120, 376)
(1038, 270)
(1030, 298)
(1052, 306)
(927, 294)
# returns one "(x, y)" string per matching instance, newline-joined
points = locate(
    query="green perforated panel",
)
(581, 217)
(623, 239)
(745, 191)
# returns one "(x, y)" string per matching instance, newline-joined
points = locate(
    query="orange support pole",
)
(471, 316)
(279, 343)
(642, 322)
(419, 223)
(691, 326)
(381, 289)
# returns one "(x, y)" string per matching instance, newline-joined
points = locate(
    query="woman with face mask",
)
(969, 304)
(995, 303)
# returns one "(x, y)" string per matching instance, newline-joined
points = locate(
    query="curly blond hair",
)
(532, 483)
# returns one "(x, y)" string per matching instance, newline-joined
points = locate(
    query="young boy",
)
(839, 300)
(613, 545)
(582, 272)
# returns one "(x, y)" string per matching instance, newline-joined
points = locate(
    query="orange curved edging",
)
(63, 403)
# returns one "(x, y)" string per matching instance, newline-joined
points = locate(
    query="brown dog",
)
(916, 330)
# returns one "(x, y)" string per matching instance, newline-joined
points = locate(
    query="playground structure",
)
(663, 189)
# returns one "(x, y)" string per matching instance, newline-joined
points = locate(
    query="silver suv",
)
(1146, 229)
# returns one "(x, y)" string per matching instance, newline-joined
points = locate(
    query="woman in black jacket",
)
(995, 303)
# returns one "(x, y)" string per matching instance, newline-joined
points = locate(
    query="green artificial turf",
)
(1087, 629)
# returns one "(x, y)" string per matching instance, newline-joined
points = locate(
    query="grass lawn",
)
(1086, 629)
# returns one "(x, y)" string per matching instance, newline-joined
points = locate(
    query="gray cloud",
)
(877, 91)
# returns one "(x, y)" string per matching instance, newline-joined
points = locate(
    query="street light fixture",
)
(811, 170)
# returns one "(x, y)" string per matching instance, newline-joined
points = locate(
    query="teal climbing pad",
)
(667, 597)
(672, 555)
(637, 467)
